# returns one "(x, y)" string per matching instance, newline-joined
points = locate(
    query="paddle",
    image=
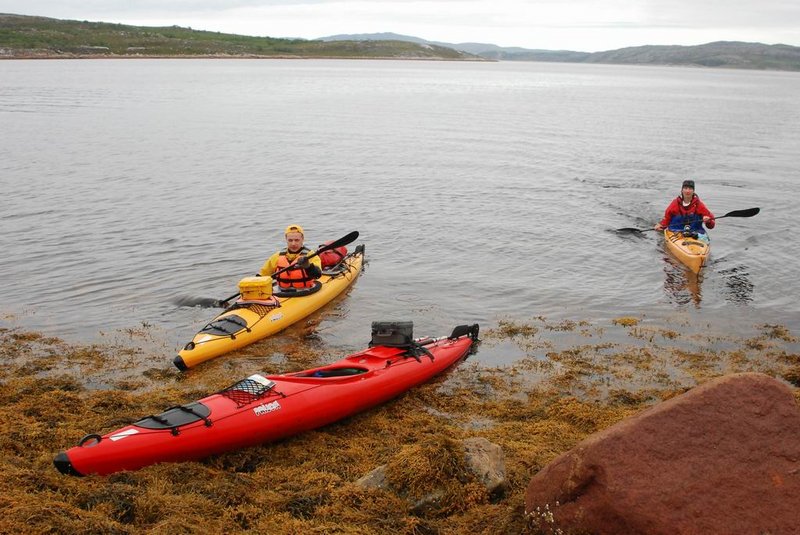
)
(749, 212)
(344, 240)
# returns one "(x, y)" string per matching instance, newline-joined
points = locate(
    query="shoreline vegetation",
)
(27, 37)
(23, 37)
(572, 379)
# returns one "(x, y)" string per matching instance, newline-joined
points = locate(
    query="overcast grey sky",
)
(585, 25)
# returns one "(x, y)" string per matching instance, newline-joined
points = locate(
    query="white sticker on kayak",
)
(120, 436)
(267, 408)
(276, 317)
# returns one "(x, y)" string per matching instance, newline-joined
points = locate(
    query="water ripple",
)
(481, 192)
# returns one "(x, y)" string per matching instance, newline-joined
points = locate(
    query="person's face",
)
(294, 241)
(687, 192)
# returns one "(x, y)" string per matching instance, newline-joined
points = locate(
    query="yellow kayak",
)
(248, 321)
(692, 252)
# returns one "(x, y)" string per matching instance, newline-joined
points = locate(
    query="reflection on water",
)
(738, 288)
(681, 285)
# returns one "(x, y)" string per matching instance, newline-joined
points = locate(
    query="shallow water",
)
(482, 191)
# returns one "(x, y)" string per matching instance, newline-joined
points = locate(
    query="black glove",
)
(302, 261)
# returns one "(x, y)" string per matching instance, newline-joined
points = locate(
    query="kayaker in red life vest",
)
(686, 210)
(306, 270)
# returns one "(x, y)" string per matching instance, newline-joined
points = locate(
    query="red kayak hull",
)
(241, 416)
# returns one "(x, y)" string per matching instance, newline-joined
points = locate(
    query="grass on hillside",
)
(44, 36)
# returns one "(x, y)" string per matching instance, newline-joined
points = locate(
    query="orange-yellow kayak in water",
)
(692, 252)
(246, 322)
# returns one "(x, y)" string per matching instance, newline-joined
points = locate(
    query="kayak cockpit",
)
(338, 371)
(298, 292)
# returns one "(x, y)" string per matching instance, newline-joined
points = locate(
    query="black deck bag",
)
(392, 334)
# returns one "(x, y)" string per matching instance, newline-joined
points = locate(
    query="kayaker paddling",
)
(255, 316)
(687, 214)
(684, 234)
(305, 269)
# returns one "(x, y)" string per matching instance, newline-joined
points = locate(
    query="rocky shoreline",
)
(567, 381)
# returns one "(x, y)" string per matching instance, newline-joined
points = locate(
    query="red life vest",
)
(331, 257)
(293, 278)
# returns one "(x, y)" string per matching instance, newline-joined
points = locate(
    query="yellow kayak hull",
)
(692, 252)
(250, 321)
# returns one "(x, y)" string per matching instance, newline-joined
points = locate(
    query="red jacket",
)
(676, 215)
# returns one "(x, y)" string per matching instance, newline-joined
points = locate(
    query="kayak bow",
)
(692, 252)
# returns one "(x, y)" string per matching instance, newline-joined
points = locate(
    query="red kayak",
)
(265, 408)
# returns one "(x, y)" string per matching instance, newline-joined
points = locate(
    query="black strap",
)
(417, 350)
(195, 413)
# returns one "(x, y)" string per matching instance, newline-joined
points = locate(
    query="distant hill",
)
(730, 54)
(385, 36)
(40, 37)
(483, 50)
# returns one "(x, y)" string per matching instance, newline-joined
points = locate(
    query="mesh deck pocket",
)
(248, 390)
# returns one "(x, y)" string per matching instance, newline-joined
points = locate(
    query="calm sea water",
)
(483, 191)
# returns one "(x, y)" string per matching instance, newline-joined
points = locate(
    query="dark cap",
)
(688, 184)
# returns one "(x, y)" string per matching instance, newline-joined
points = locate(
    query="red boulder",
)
(721, 458)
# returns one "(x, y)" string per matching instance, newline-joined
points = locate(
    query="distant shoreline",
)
(30, 37)
(223, 56)
(72, 56)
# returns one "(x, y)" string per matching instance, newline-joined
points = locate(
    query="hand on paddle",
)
(749, 212)
(302, 262)
(658, 227)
